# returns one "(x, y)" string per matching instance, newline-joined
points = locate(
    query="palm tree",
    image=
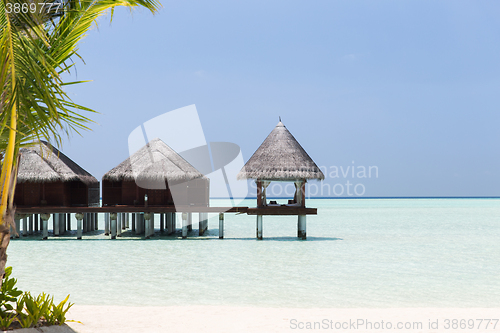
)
(37, 44)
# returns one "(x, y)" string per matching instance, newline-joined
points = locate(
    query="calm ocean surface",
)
(359, 253)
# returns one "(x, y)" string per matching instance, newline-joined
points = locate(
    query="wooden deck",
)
(269, 210)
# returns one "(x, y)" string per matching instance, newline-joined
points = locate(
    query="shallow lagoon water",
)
(359, 253)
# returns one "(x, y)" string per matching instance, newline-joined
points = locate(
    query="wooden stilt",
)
(18, 226)
(133, 221)
(174, 222)
(202, 223)
(55, 224)
(139, 228)
(147, 225)
(152, 225)
(25, 227)
(119, 217)
(259, 226)
(84, 223)
(68, 217)
(162, 222)
(124, 222)
(106, 224)
(35, 217)
(190, 221)
(127, 221)
(112, 217)
(79, 218)
(221, 225)
(30, 225)
(168, 218)
(184, 225)
(62, 223)
(301, 227)
(45, 225)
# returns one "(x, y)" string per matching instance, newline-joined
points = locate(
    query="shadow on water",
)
(128, 235)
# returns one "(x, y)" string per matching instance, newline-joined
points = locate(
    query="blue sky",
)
(411, 87)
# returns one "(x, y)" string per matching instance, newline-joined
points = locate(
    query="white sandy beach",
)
(220, 319)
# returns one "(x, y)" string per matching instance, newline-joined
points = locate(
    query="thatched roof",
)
(155, 162)
(280, 157)
(43, 163)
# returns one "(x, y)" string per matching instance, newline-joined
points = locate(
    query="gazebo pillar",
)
(301, 227)
(162, 222)
(259, 193)
(259, 226)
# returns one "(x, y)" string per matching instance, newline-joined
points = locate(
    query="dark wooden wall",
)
(194, 192)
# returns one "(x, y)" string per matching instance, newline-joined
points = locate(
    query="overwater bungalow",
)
(47, 177)
(155, 175)
(281, 158)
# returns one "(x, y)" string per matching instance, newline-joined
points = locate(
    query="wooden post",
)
(79, 218)
(69, 221)
(113, 216)
(55, 224)
(190, 221)
(106, 224)
(174, 222)
(184, 225)
(45, 225)
(221, 225)
(25, 226)
(259, 193)
(62, 222)
(201, 223)
(18, 226)
(139, 228)
(303, 193)
(127, 222)
(84, 223)
(162, 222)
(147, 225)
(259, 226)
(119, 224)
(124, 221)
(152, 224)
(133, 221)
(36, 221)
(301, 227)
(168, 219)
(30, 222)
(96, 221)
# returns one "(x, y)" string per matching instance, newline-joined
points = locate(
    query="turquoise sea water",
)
(359, 253)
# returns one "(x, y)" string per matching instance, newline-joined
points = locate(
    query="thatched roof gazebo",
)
(155, 175)
(281, 158)
(47, 177)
